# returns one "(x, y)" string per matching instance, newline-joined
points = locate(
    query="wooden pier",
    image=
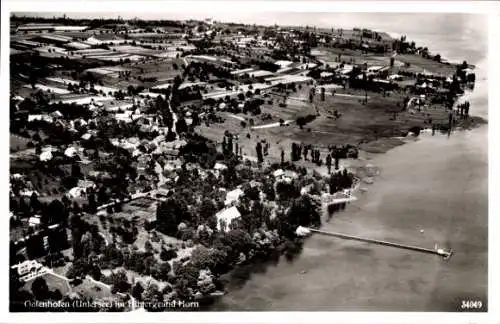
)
(441, 252)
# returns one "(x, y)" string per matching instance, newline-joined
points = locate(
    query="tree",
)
(329, 162)
(203, 258)
(148, 247)
(40, 289)
(112, 257)
(35, 204)
(91, 201)
(137, 291)
(169, 214)
(167, 255)
(224, 146)
(55, 213)
(120, 282)
(161, 271)
(152, 298)
(258, 148)
(207, 209)
(229, 147)
(181, 126)
(238, 241)
(303, 212)
(35, 247)
(187, 274)
(75, 170)
(58, 239)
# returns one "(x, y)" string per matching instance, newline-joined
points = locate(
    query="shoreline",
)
(355, 220)
(435, 184)
(360, 168)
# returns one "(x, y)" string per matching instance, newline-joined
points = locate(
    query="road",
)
(286, 122)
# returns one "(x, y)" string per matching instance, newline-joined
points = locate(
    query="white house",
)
(70, 152)
(27, 266)
(46, 156)
(225, 218)
(220, 166)
(34, 221)
(76, 192)
(283, 64)
(233, 196)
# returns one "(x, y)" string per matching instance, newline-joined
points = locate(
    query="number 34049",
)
(471, 304)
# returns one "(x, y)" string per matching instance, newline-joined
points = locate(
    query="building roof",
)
(34, 221)
(106, 37)
(46, 156)
(220, 166)
(56, 38)
(233, 196)
(226, 216)
(70, 152)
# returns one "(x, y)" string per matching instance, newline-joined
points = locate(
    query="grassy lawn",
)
(94, 290)
(53, 282)
(417, 63)
(18, 143)
(420, 64)
(358, 123)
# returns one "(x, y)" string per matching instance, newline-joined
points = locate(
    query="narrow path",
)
(70, 289)
(174, 117)
(298, 99)
(271, 125)
(351, 96)
(237, 117)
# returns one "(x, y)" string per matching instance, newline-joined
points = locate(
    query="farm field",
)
(18, 143)
(353, 127)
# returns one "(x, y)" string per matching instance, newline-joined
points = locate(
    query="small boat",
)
(446, 254)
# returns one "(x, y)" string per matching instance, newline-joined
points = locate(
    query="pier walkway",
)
(441, 252)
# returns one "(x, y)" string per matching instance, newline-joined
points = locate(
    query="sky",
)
(320, 19)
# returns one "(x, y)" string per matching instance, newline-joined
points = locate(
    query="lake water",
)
(437, 184)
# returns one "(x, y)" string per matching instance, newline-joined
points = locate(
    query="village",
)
(150, 158)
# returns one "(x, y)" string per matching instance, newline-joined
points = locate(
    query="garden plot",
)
(105, 89)
(49, 89)
(162, 86)
(108, 70)
(168, 54)
(93, 51)
(86, 100)
(54, 49)
(62, 80)
(77, 45)
(288, 78)
(129, 49)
